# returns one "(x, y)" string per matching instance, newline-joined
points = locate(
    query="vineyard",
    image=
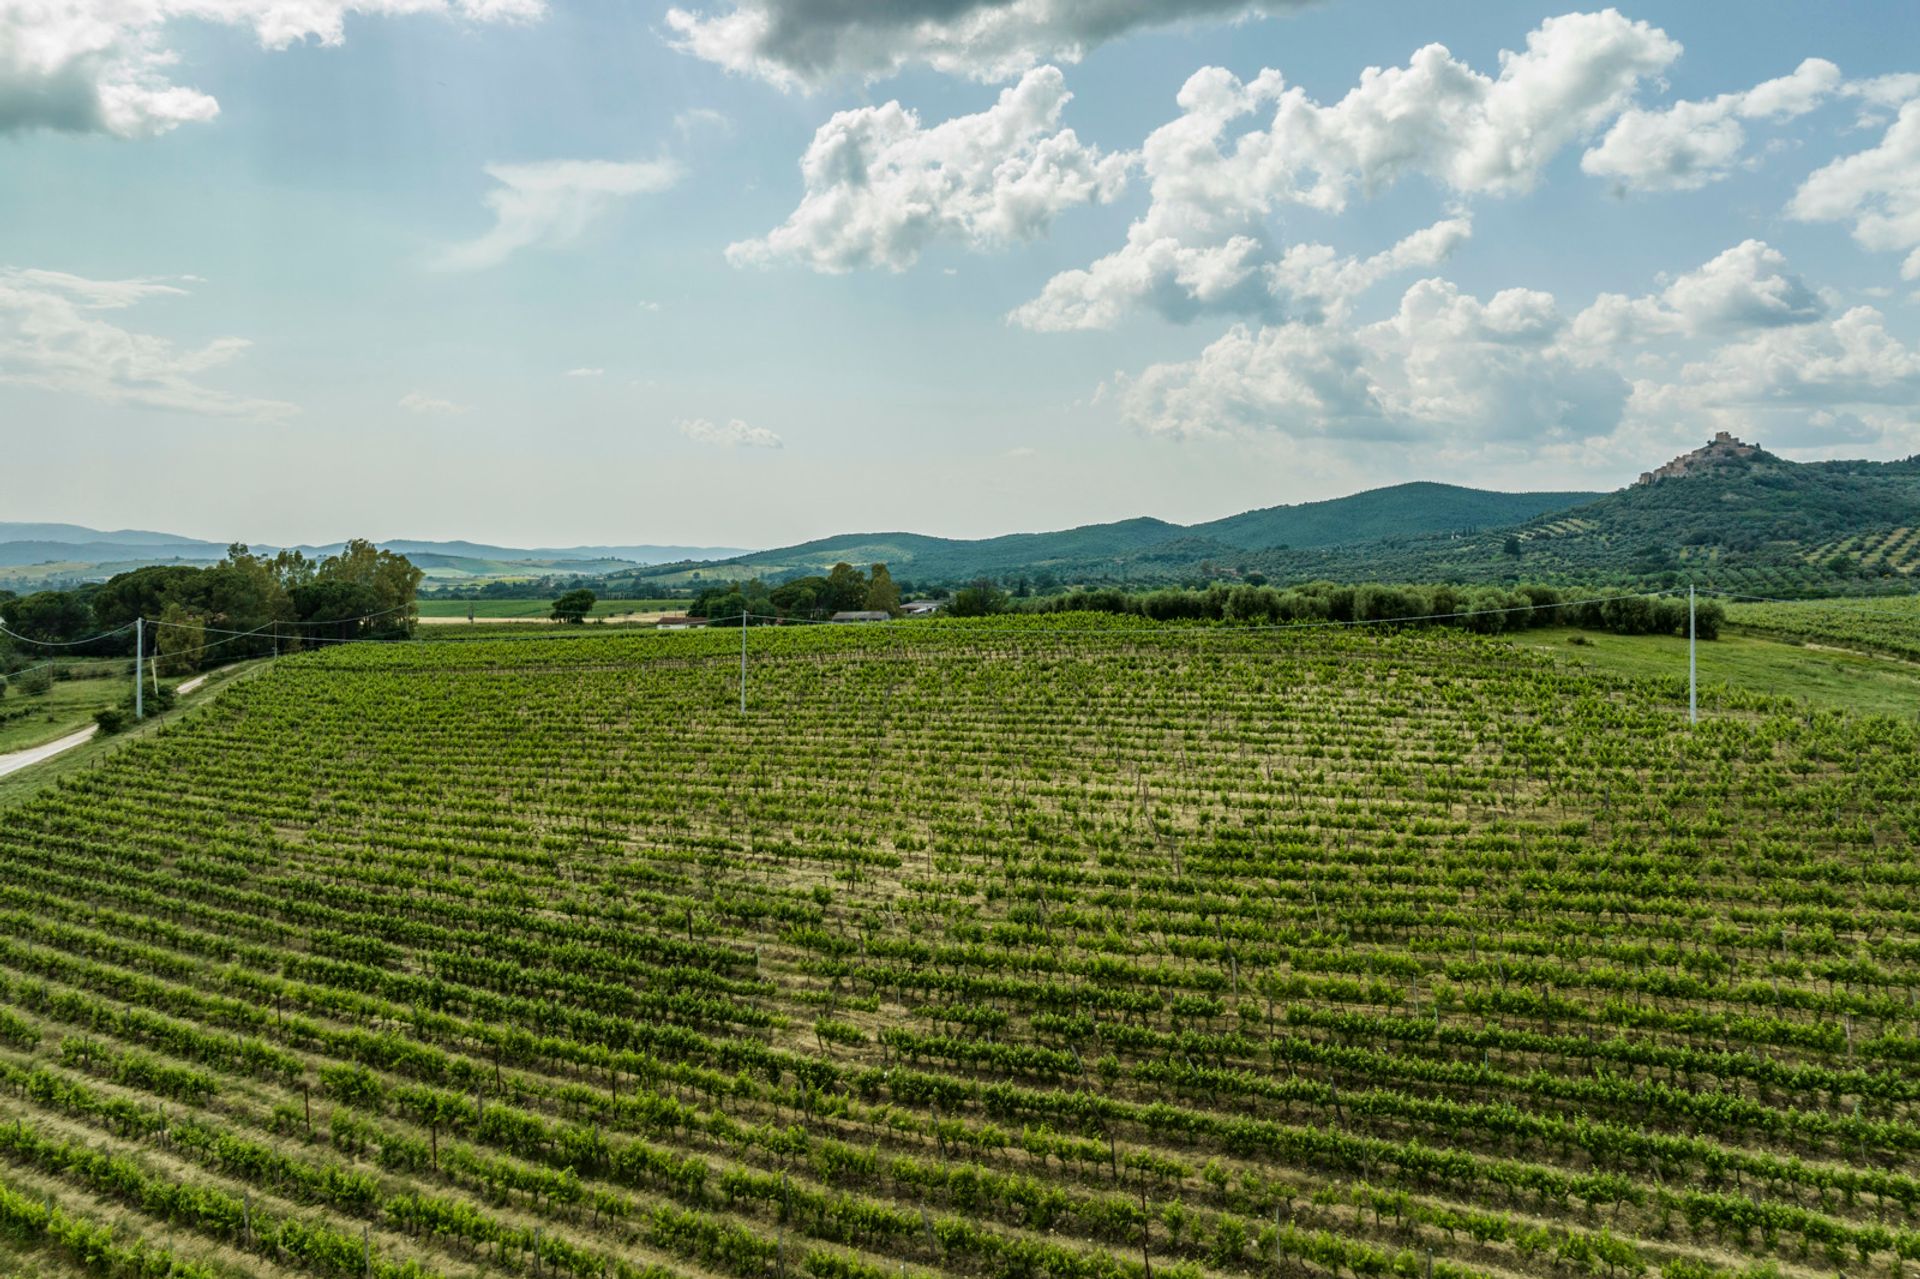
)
(1042, 948)
(1875, 625)
(1897, 550)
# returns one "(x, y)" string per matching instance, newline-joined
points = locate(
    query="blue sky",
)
(760, 270)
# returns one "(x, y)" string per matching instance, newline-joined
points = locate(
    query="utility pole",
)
(1693, 693)
(743, 660)
(139, 651)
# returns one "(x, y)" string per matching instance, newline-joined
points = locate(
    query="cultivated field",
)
(1046, 948)
(1889, 624)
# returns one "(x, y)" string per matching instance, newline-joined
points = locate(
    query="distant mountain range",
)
(32, 555)
(1730, 516)
(1147, 549)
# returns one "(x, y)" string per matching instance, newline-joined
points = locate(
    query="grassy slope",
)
(1847, 681)
(67, 706)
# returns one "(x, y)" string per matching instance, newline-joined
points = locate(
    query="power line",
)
(25, 670)
(91, 639)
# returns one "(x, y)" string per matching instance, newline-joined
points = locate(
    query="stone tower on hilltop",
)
(1720, 449)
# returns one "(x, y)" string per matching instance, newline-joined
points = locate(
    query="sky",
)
(745, 272)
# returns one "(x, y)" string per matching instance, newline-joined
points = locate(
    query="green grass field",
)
(496, 609)
(1858, 682)
(29, 720)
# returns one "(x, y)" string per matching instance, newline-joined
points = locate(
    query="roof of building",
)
(862, 615)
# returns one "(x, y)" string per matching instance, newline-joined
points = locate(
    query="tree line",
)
(286, 600)
(843, 589)
(1486, 609)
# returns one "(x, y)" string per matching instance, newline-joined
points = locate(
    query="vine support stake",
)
(139, 648)
(743, 659)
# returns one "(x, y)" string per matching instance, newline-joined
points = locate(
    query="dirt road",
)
(18, 760)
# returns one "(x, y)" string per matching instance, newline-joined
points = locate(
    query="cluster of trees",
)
(843, 589)
(286, 599)
(1488, 609)
(532, 588)
(573, 606)
(985, 596)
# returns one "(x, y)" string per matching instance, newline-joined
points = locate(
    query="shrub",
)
(111, 720)
(33, 682)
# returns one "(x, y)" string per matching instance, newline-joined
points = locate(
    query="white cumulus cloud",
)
(1747, 287)
(1849, 361)
(104, 66)
(1739, 343)
(1205, 243)
(1445, 363)
(881, 187)
(732, 435)
(1878, 190)
(1436, 117)
(550, 202)
(1239, 275)
(54, 336)
(805, 43)
(1692, 143)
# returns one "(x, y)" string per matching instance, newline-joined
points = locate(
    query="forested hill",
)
(1400, 511)
(1747, 522)
(1729, 515)
(1149, 549)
